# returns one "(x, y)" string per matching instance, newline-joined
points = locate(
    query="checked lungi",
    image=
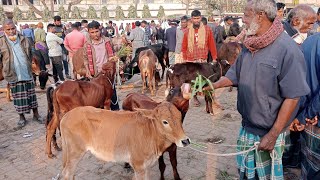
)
(310, 145)
(24, 96)
(258, 164)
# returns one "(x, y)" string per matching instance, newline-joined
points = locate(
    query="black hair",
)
(152, 21)
(318, 11)
(56, 18)
(84, 21)
(280, 5)
(185, 18)
(76, 25)
(137, 23)
(50, 26)
(204, 20)
(94, 25)
(110, 22)
(195, 13)
(228, 18)
(234, 29)
(144, 22)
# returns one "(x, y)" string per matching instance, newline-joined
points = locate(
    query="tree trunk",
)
(37, 11)
(52, 7)
(71, 4)
(187, 8)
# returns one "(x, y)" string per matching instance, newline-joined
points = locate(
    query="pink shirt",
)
(74, 41)
(101, 54)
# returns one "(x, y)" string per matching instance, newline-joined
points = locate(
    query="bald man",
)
(15, 62)
(299, 22)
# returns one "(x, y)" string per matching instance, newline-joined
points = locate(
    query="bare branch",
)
(37, 11)
(71, 4)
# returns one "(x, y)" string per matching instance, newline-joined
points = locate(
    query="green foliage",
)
(2, 15)
(46, 14)
(132, 12)
(31, 15)
(62, 13)
(104, 13)
(146, 12)
(76, 14)
(17, 14)
(91, 13)
(119, 13)
(161, 14)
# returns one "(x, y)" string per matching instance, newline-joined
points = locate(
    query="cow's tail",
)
(169, 73)
(50, 100)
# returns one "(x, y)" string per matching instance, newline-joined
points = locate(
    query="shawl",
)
(201, 37)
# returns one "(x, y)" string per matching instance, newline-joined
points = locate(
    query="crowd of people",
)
(277, 72)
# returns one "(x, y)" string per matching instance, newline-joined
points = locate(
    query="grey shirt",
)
(265, 79)
(179, 38)
(136, 36)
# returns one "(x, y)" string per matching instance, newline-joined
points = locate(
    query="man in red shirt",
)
(198, 41)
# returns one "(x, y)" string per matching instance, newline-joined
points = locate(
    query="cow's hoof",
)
(51, 156)
(212, 114)
(57, 148)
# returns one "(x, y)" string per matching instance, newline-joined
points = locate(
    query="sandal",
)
(22, 123)
(38, 119)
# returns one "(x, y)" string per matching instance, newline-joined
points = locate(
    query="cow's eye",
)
(165, 122)
(171, 91)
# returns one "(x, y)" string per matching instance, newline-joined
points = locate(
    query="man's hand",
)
(267, 142)
(48, 66)
(296, 126)
(88, 74)
(312, 122)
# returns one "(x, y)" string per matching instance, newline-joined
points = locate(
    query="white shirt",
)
(53, 43)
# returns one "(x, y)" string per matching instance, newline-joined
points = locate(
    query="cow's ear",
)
(145, 112)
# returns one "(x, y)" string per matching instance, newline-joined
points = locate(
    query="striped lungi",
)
(258, 164)
(310, 147)
(24, 96)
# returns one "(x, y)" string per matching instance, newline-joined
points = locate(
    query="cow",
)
(72, 94)
(176, 96)
(186, 72)
(160, 50)
(138, 137)
(147, 65)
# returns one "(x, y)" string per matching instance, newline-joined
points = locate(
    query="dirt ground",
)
(24, 157)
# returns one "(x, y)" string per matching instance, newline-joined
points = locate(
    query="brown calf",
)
(147, 65)
(174, 96)
(136, 137)
(72, 94)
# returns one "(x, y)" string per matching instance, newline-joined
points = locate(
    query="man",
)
(72, 42)
(84, 28)
(212, 24)
(15, 62)
(197, 42)
(110, 29)
(28, 33)
(159, 34)
(179, 37)
(266, 73)
(170, 38)
(60, 32)
(41, 46)
(307, 119)
(147, 33)
(316, 26)
(97, 51)
(300, 21)
(136, 36)
(55, 52)
(222, 31)
(281, 7)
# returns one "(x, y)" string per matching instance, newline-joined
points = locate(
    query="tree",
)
(161, 14)
(188, 4)
(17, 14)
(62, 13)
(31, 15)
(72, 3)
(132, 12)
(76, 14)
(146, 12)
(104, 12)
(46, 14)
(91, 13)
(119, 13)
(2, 15)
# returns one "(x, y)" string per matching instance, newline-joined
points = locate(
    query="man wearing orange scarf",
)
(198, 41)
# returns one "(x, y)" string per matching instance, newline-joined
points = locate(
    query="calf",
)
(72, 94)
(186, 72)
(147, 65)
(136, 137)
(174, 96)
(160, 50)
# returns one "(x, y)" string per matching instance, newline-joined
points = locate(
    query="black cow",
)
(186, 72)
(160, 50)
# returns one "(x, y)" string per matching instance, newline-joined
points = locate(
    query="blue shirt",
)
(310, 104)
(265, 79)
(20, 61)
(28, 33)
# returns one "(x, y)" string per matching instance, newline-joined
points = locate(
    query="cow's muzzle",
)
(183, 143)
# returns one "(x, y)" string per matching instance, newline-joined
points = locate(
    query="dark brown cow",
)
(72, 94)
(186, 72)
(176, 97)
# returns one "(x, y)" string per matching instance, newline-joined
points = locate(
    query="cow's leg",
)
(143, 77)
(107, 104)
(173, 159)
(51, 129)
(209, 100)
(151, 83)
(162, 167)
(163, 70)
(8, 93)
(54, 141)
(140, 174)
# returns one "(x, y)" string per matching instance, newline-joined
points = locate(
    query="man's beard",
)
(13, 37)
(253, 28)
(196, 26)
